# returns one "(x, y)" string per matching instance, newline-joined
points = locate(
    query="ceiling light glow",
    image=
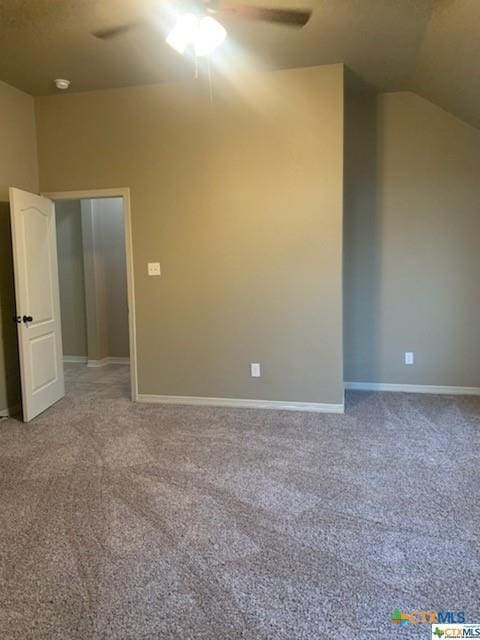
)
(203, 34)
(183, 33)
(210, 35)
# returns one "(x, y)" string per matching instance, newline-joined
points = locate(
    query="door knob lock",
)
(27, 319)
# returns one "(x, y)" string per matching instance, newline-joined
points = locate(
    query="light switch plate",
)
(409, 358)
(255, 370)
(153, 268)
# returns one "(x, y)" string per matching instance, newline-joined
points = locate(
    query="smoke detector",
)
(62, 84)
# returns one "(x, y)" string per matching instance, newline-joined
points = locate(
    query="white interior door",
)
(38, 302)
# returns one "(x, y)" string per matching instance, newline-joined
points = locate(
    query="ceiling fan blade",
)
(113, 32)
(288, 17)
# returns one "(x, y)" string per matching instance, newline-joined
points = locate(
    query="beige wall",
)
(241, 203)
(413, 265)
(71, 280)
(18, 168)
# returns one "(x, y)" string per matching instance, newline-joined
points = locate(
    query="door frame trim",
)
(124, 193)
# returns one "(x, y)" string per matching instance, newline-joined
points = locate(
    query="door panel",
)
(38, 303)
(43, 359)
(38, 258)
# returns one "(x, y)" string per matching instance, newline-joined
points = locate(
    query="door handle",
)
(17, 319)
(27, 319)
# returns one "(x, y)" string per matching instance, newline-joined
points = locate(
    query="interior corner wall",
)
(241, 201)
(18, 168)
(412, 263)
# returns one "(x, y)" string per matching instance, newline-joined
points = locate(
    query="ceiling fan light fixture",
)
(183, 33)
(210, 35)
(203, 33)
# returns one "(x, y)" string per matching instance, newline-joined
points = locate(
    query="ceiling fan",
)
(200, 30)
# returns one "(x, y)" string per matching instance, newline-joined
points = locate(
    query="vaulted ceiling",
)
(428, 46)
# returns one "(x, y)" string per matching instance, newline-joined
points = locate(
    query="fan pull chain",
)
(210, 82)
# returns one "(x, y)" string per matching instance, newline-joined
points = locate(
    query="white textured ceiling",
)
(428, 46)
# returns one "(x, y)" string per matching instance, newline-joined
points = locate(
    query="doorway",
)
(92, 287)
(37, 295)
(93, 230)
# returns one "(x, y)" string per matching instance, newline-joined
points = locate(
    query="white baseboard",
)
(10, 411)
(278, 405)
(413, 388)
(79, 359)
(110, 360)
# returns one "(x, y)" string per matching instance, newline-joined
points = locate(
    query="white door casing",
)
(37, 296)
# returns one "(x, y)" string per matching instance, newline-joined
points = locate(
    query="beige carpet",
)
(158, 522)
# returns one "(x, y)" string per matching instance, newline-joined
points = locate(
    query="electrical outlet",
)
(255, 371)
(153, 268)
(409, 359)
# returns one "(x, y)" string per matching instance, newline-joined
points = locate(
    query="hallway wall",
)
(93, 278)
(71, 277)
(105, 277)
(110, 228)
